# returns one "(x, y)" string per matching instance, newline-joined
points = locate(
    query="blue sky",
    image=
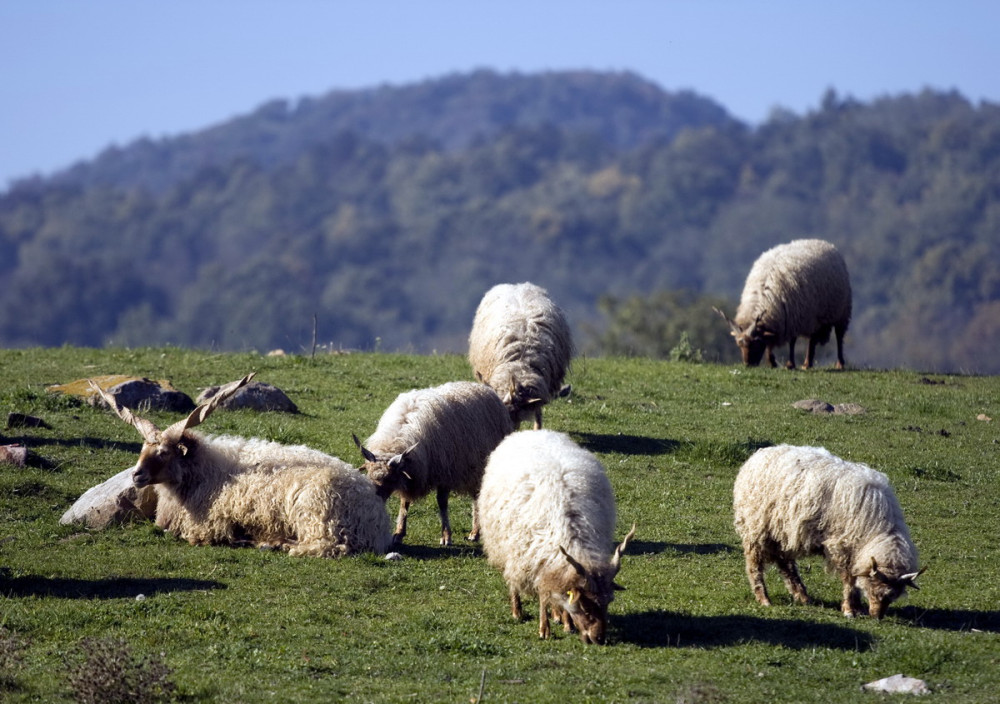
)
(78, 76)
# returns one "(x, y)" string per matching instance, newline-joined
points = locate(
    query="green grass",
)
(249, 626)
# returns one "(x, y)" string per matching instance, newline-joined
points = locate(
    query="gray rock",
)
(813, 405)
(112, 502)
(899, 684)
(145, 394)
(255, 396)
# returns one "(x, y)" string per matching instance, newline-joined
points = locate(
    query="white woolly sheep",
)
(226, 490)
(521, 345)
(548, 519)
(797, 289)
(436, 438)
(790, 502)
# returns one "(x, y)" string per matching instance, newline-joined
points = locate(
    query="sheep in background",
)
(520, 345)
(436, 438)
(226, 490)
(797, 289)
(790, 502)
(548, 519)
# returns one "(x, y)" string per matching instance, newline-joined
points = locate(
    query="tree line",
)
(390, 243)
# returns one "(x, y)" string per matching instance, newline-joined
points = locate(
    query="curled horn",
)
(198, 415)
(149, 432)
(576, 565)
(732, 325)
(365, 452)
(616, 559)
(911, 577)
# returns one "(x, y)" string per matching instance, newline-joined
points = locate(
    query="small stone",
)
(394, 556)
(899, 684)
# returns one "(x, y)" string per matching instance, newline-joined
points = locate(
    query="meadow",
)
(241, 625)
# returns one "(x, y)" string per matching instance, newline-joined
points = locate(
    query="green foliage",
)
(244, 625)
(387, 214)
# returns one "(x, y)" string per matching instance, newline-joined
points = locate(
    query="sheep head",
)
(387, 472)
(753, 340)
(882, 588)
(585, 600)
(160, 449)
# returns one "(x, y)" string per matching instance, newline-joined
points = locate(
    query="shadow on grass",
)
(110, 588)
(950, 619)
(658, 629)
(625, 444)
(461, 549)
(652, 547)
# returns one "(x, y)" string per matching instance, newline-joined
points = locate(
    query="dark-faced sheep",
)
(226, 490)
(548, 518)
(790, 502)
(521, 346)
(435, 439)
(797, 289)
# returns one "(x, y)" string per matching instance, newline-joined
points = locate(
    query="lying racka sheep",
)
(520, 345)
(795, 289)
(790, 502)
(437, 438)
(225, 490)
(548, 518)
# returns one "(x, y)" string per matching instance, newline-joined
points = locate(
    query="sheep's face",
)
(586, 602)
(752, 343)
(154, 462)
(523, 403)
(882, 589)
(388, 475)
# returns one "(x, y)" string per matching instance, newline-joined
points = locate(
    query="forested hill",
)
(387, 213)
(452, 112)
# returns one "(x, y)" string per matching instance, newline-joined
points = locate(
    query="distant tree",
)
(662, 323)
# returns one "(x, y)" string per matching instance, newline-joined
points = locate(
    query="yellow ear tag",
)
(572, 596)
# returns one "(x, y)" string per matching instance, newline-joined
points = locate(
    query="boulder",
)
(131, 392)
(112, 502)
(255, 396)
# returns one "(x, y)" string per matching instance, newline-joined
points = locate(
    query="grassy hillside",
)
(249, 626)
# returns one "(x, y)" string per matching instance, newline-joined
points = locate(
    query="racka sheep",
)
(795, 289)
(225, 490)
(548, 518)
(520, 345)
(790, 502)
(437, 438)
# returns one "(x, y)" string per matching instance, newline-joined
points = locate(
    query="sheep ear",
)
(149, 432)
(365, 452)
(616, 559)
(617, 587)
(479, 378)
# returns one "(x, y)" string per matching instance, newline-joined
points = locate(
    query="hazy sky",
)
(79, 75)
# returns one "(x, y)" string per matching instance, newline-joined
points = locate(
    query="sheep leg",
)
(839, 330)
(400, 532)
(538, 418)
(811, 352)
(851, 605)
(755, 573)
(442, 497)
(790, 364)
(515, 604)
(543, 617)
(790, 574)
(474, 533)
(770, 357)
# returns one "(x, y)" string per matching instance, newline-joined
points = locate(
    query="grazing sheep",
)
(790, 502)
(795, 289)
(225, 490)
(520, 345)
(548, 518)
(437, 438)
